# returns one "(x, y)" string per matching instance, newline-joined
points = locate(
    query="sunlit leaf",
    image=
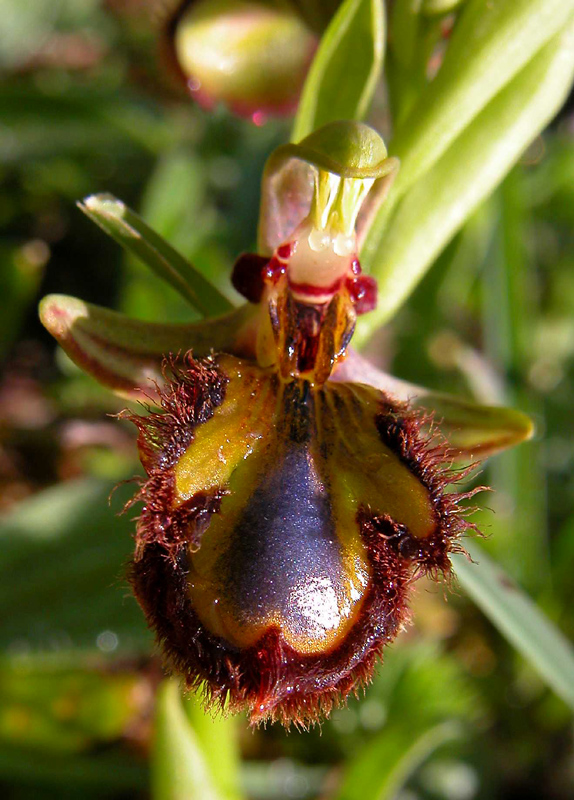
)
(491, 44)
(346, 68)
(217, 735)
(179, 766)
(518, 619)
(129, 230)
(398, 250)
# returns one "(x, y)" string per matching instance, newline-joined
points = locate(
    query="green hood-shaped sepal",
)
(351, 150)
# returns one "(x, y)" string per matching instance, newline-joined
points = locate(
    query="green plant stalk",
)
(217, 735)
(492, 43)
(179, 767)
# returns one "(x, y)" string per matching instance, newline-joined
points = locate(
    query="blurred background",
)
(86, 107)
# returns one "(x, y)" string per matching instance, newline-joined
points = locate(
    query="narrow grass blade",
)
(129, 230)
(346, 68)
(384, 766)
(179, 767)
(519, 620)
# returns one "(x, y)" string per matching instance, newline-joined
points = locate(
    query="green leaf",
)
(125, 354)
(491, 44)
(346, 68)
(518, 619)
(129, 230)
(64, 553)
(382, 768)
(218, 737)
(179, 766)
(399, 250)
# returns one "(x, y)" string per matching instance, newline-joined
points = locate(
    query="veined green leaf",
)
(492, 43)
(346, 68)
(436, 207)
(518, 619)
(179, 766)
(125, 354)
(129, 230)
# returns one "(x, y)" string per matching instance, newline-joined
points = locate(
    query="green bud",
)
(252, 56)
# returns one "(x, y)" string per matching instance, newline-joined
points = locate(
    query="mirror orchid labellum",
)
(294, 493)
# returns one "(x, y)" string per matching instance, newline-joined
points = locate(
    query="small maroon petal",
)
(363, 292)
(247, 276)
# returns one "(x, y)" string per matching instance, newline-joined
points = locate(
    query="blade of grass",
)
(179, 767)
(346, 68)
(492, 42)
(518, 619)
(384, 766)
(132, 233)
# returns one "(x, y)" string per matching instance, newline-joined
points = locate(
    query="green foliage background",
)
(455, 713)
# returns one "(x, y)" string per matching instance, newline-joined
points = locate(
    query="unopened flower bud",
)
(250, 55)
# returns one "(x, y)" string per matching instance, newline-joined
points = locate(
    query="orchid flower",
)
(294, 493)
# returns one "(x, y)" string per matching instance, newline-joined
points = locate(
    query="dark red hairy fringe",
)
(430, 459)
(271, 680)
(191, 392)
